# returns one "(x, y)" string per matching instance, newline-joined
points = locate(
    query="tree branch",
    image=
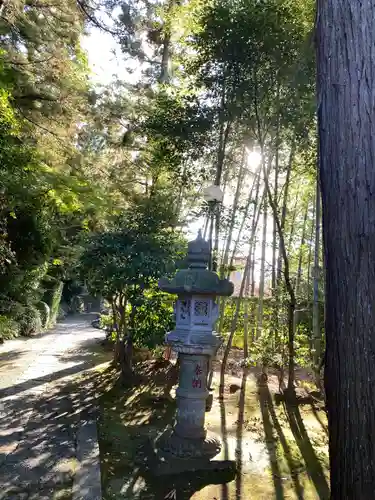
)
(95, 21)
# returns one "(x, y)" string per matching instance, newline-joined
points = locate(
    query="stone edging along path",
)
(87, 479)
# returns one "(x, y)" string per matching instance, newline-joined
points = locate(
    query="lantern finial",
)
(198, 252)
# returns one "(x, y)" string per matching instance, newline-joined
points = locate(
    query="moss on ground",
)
(281, 452)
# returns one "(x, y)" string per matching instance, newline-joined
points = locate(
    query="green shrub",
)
(158, 352)
(106, 321)
(11, 308)
(14, 311)
(30, 322)
(8, 328)
(153, 319)
(45, 312)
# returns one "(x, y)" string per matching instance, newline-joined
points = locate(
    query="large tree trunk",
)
(223, 141)
(164, 76)
(224, 271)
(164, 73)
(252, 294)
(346, 103)
(116, 351)
(280, 254)
(292, 225)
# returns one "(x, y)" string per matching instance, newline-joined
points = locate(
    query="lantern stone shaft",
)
(196, 342)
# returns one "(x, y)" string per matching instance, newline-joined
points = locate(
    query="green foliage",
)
(124, 264)
(9, 328)
(263, 349)
(264, 352)
(95, 183)
(71, 289)
(141, 248)
(176, 126)
(302, 345)
(44, 64)
(230, 306)
(158, 352)
(29, 321)
(153, 319)
(106, 322)
(46, 202)
(62, 313)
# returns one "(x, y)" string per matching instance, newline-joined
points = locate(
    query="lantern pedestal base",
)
(170, 468)
(175, 454)
(171, 446)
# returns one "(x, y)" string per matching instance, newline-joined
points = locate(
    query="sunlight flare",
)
(253, 159)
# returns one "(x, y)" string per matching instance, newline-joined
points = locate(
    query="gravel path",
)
(40, 412)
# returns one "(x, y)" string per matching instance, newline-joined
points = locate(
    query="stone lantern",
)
(195, 342)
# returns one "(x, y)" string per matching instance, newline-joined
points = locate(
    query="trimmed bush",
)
(9, 328)
(30, 322)
(11, 309)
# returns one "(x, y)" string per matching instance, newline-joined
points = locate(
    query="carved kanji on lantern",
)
(196, 383)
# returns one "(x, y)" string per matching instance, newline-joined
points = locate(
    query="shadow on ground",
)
(8, 358)
(38, 427)
(131, 418)
(280, 452)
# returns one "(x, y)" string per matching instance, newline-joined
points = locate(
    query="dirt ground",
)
(280, 451)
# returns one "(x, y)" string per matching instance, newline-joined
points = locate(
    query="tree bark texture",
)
(346, 114)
